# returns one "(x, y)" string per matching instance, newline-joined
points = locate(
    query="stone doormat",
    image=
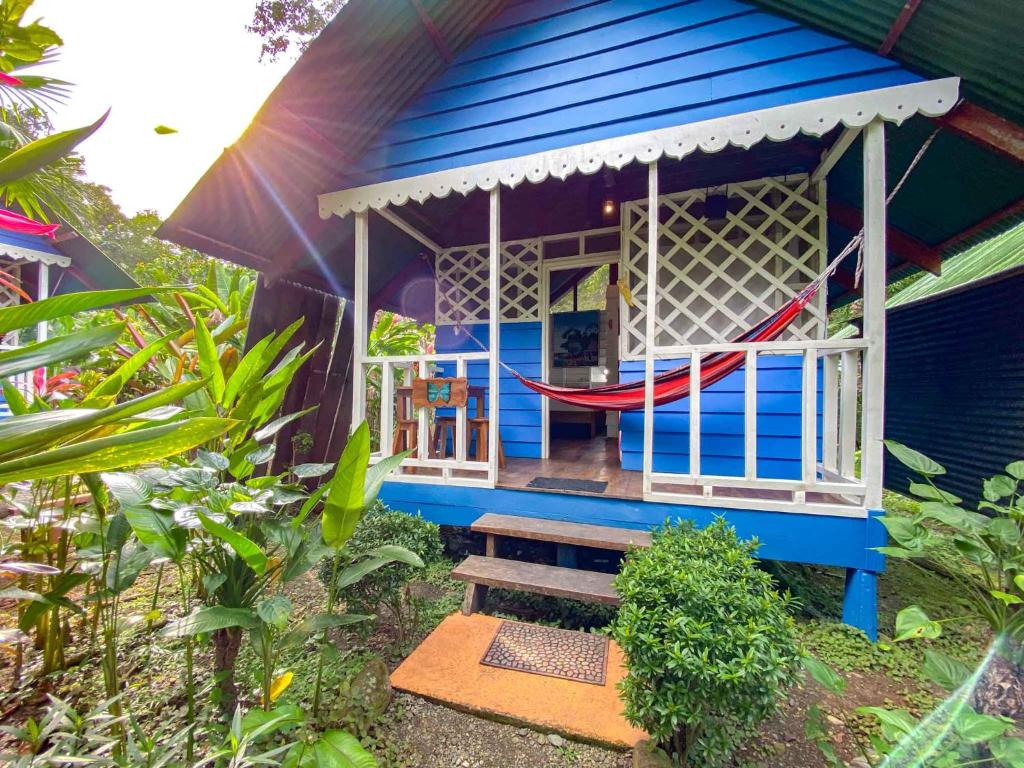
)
(548, 651)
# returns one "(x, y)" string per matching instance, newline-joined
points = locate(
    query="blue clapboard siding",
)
(779, 386)
(820, 539)
(520, 407)
(546, 74)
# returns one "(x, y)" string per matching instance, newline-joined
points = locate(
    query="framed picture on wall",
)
(576, 339)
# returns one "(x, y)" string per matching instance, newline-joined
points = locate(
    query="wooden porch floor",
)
(596, 459)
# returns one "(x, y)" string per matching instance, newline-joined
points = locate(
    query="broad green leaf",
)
(157, 531)
(338, 749)
(954, 517)
(305, 471)
(244, 547)
(397, 554)
(1008, 751)
(245, 371)
(275, 610)
(261, 455)
(931, 493)
(1005, 597)
(129, 489)
(209, 619)
(905, 532)
(310, 504)
(126, 566)
(974, 727)
(1005, 530)
(943, 670)
(824, 675)
(1019, 581)
(378, 473)
(126, 449)
(898, 720)
(1016, 470)
(26, 315)
(111, 385)
(60, 349)
(999, 487)
(913, 460)
(39, 430)
(40, 153)
(271, 429)
(14, 399)
(345, 502)
(17, 593)
(912, 622)
(260, 723)
(209, 360)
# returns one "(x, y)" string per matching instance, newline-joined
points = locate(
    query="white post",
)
(651, 326)
(387, 400)
(848, 415)
(545, 354)
(494, 315)
(360, 320)
(43, 327)
(872, 450)
(830, 413)
(809, 433)
(750, 415)
(460, 439)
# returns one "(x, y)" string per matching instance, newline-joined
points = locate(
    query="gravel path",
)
(433, 736)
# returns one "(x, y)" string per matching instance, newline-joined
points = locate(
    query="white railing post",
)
(872, 450)
(422, 418)
(848, 414)
(387, 400)
(545, 355)
(460, 439)
(809, 433)
(43, 292)
(649, 334)
(359, 320)
(695, 468)
(830, 413)
(750, 415)
(494, 317)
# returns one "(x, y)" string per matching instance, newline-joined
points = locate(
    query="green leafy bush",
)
(386, 586)
(710, 646)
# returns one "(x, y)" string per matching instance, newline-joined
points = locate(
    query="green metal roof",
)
(979, 40)
(998, 254)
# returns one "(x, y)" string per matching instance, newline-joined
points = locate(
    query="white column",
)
(43, 327)
(545, 355)
(494, 315)
(873, 426)
(360, 322)
(651, 326)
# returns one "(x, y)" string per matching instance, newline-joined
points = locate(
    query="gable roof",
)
(85, 266)
(376, 98)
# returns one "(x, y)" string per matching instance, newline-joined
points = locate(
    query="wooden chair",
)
(444, 430)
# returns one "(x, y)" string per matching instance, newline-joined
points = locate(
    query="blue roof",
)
(29, 242)
(545, 75)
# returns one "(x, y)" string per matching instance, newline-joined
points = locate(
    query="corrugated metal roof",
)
(980, 41)
(1000, 253)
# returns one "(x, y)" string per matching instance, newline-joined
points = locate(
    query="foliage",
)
(709, 644)
(987, 542)
(390, 335)
(284, 24)
(387, 585)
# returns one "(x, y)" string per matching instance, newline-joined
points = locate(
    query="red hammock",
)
(675, 384)
(23, 225)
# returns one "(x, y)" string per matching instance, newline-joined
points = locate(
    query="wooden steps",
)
(481, 573)
(578, 534)
(586, 586)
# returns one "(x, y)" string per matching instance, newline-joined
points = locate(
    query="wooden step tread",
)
(587, 586)
(580, 534)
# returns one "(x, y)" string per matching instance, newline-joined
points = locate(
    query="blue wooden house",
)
(593, 192)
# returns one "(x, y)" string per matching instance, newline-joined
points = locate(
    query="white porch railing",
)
(467, 471)
(829, 486)
(22, 382)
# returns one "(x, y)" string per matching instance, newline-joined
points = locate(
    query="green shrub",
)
(386, 586)
(710, 646)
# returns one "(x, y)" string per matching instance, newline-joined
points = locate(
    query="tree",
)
(286, 23)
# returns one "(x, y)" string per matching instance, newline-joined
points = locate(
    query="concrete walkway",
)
(446, 668)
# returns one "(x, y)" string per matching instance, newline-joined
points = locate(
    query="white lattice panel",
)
(462, 293)
(717, 278)
(11, 269)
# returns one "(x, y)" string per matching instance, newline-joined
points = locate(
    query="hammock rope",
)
(675, 384)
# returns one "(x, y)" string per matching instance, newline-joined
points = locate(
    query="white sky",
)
(188, 64)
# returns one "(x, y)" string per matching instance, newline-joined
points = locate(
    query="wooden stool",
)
(444, 427)
(406, 436)
(481, 428)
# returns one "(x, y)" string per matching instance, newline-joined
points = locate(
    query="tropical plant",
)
(391, 335)
(710, 646)
(387, 586)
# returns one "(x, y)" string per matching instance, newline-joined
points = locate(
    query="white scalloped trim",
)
(18, 253)
(813, 118)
